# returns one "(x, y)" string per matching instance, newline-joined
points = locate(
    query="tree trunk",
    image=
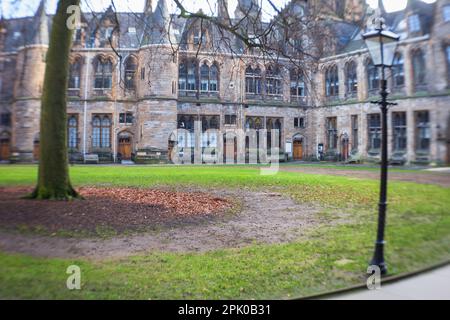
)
(53, 179)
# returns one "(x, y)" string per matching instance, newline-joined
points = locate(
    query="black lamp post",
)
(382, 45)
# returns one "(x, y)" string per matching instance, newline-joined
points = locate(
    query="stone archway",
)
(5, 146)
(125, 145)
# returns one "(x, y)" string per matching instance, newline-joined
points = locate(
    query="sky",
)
(19, 8)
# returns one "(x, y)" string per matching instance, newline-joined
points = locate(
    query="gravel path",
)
(267, 218)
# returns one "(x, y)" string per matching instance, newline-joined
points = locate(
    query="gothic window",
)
(373, 77)
(204, 78)
(352, 79)
(332, 136)
(101, 132)
(423, 131)
(298, 88)
(209, 78)
(214, 78)
(374, 132)
(72, 128)
(398, 71)
(130, 73)
(188, 76)
(103, 74)
(355, 133)
(273, 81)
(75, 75)
(191, 76)
(399, 126)
(418, 62)
(332, 82)
(182, 77)
(253, 81)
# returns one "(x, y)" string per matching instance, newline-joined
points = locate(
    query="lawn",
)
(332, 256)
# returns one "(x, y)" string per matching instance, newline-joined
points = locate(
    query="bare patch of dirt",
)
(267, 218)
(440, 179)
(113, 210)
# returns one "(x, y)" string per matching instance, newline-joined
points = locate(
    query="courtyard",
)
(215, 232)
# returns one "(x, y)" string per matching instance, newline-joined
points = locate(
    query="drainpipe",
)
(115, 116)
(86, 86)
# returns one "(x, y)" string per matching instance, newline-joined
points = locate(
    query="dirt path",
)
(265, 218)
(441, 179)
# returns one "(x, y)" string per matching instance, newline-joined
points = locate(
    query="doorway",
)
(229, 148)
(345, 148)
(36, 150)
(125, 146)
(298, 150)
(5, 146)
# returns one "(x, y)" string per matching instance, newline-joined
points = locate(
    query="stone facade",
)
(137, 116)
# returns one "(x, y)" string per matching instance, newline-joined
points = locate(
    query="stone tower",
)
(157, 115)
(30, 72)
(222, 10)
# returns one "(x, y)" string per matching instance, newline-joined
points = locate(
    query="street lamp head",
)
(382, 45)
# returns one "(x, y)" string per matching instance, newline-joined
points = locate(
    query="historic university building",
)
(135, 78)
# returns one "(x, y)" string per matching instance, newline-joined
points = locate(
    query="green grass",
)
(418, 234)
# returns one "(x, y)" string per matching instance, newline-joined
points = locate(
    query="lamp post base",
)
(378, 258)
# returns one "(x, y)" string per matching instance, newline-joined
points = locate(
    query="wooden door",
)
(170, 150)
(36, 150)
(345, 149)
(229, 150)
(5, 149)
(298, 150)
(125, 148)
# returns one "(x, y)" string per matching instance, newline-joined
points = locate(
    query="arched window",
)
(298, 88)
(209, 78)
(332, 82)
(204, 78)
(192, 76)
(188, 77)
(273, 81)
(214, 78)
(352, 79)
(72, 132)
(418, 62)
(130, 73)
(103, 74)
(398, 71)
(182, 77)
(373, 77)
(75, 75)
(101, 132)
(253, 81)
